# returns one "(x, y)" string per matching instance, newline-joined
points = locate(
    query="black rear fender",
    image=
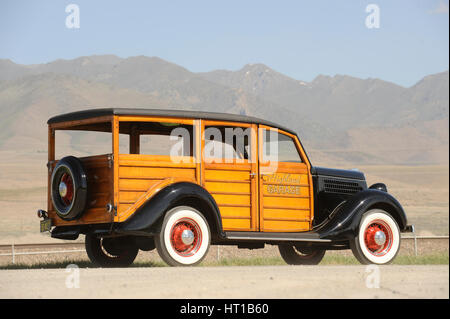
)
(147, 219)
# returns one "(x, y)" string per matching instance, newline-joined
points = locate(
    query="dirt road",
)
(229, 282)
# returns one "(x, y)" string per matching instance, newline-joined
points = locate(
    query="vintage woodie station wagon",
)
(210, 178)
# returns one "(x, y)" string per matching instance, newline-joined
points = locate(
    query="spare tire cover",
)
(69, 188)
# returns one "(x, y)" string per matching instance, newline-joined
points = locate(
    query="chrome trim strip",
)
(279, 239)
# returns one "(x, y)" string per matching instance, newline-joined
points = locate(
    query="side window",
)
(227, 142)
(279, 147)
(159, 138)
(82, 143)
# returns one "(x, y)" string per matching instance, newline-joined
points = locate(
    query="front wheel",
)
(378, 239)
(184, 238)
(111, 252)
(293, 255)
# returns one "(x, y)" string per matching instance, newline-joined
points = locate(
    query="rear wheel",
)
(184, 238)
(111, 252)
(293, 255)
(378, 239)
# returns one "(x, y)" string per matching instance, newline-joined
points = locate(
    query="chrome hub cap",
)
(380, 238)
(187, 237)
(62, 189)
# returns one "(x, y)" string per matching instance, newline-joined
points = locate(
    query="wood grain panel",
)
(236, 224)
(231, 175)
(232, 199)
(235, 212)
(231, 188)
(139, 173)
(285, 226)
(155, 172)
(286, 214)
(286, 202)
(127, 197)
(228, 187)
(285, 192)
(134, 184)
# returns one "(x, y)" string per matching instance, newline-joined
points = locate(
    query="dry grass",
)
(437, 259)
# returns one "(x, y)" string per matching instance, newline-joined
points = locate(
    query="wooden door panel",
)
(285, 196)
(231, 189)
(285, 206)
(233, 184)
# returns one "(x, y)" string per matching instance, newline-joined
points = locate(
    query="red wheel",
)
(65, 189)
(69, 188)
(378, 239)
(184, 238)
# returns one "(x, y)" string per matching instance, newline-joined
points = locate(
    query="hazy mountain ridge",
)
(338, 118)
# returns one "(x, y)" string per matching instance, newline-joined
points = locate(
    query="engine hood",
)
(339, 173)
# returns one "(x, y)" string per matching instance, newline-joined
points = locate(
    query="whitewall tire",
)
(184, 238)
(378, 239)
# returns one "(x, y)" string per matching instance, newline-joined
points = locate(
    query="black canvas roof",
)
(86, 114)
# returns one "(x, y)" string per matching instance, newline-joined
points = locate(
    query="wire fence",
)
(18, 249)
(63, 248)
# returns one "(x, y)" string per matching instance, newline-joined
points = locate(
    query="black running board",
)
(306, 236)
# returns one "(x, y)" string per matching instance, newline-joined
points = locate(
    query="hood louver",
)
(341, 187)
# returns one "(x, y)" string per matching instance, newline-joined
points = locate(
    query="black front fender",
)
(144, 220)
(345, 223)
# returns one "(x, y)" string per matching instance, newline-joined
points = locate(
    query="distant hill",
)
(339, 119)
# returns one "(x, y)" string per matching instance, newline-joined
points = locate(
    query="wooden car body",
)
(249, 198)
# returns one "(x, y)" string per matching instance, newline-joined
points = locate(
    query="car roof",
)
(86, 114)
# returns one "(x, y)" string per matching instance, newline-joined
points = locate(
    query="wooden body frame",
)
(239, 189)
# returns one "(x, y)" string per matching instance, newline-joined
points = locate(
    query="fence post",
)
(415, 244)
(13, 257)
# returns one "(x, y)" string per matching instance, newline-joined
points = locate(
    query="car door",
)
(285, 183)
(229, 172)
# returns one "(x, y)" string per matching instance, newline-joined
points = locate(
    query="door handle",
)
(261, 174)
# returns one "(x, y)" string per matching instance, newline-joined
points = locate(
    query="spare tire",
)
(69, 188)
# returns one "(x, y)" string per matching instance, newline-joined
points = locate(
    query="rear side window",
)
(158, 138)
(227, 142)
(279, 147)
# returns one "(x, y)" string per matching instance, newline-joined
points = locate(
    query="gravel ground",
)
(430, 281)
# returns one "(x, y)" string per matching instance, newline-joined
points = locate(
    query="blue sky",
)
(301, 39)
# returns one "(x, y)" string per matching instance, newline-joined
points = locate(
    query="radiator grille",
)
(342, 187)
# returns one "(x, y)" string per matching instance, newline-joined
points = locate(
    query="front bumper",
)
(409, 229)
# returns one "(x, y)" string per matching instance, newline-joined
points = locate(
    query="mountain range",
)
(338, 118)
